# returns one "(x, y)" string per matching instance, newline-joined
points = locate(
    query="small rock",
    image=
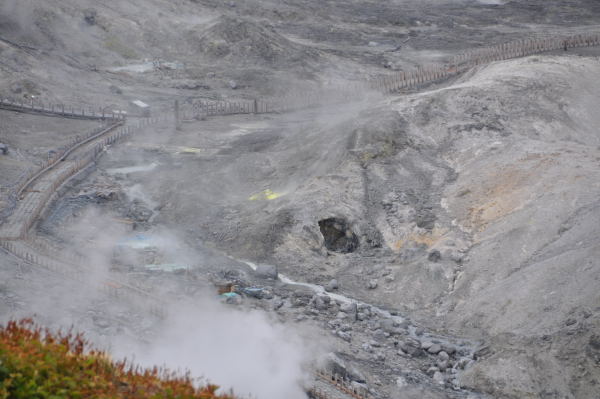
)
(391, 327)
(267, 294)
(332, 285)
(426, 345)
(266, 271)
(451, 350)
(570, 322)
(411, 347)
(379, 335)
(373, 44)
(434, 256)
(349, 307)
(335, 364)
(344, 335)
(3, 149)
(319, 304)
(372, 284)
(115, 89)
(442, 365)
(90, 15)
(419, 331)
(233, 84)
(278, 303)
(435, 349)
(361, 316)
(355, 374)
(439, 378)
(463, 362)
(443, 356)
(335, 323)
(367, 347)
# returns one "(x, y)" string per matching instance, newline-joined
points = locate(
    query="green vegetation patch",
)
(36, 363)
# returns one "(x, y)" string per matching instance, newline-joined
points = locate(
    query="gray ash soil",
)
(464, 215)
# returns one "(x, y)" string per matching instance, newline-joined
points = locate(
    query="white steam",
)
(239, 350)
(19, 12)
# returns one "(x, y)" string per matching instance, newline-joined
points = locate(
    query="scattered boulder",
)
(380, 335)
(266, 272)
(115, 89)
(411, 347)
(139, 212)
(435, 349)
(426, 345)
(332, 285)
(341, 316)
(335, 364)
(277, 304)
(442, 364)
(232, 84)
(391, 327)
(319, 303)
(450, 350)
(90, 16)
(463, 362)
(258, 293)
(344, 335)
(301, 298)
(349, 307)
(439, 378)
(372, 284)
(3, 149)
(434, 256)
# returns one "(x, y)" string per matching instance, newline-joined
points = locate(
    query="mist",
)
(17, 13)
(240, 350)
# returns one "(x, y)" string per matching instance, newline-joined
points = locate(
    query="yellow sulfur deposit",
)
(267, 194)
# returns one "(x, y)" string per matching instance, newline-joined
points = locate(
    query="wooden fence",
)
(36, 106)
(462, 62)
(341, 384)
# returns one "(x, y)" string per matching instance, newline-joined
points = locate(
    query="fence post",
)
(177, 120)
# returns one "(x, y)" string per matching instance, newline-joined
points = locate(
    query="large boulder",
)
(267, 272)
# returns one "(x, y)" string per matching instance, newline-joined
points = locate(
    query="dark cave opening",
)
(338, 235)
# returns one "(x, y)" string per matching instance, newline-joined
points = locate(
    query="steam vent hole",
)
(338, 235)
